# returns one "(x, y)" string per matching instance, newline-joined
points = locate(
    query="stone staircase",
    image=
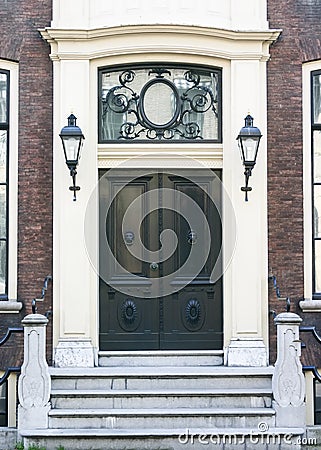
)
(152, 402)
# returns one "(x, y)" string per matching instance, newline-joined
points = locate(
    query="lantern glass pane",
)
(71, 145)
(249, 149)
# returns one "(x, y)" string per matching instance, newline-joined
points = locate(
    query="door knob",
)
(129, 237)
(192, 237)
(153, 266)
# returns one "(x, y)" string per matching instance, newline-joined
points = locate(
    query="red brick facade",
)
(22, 43)
(298, 43)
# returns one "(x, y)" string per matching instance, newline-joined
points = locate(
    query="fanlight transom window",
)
(158, 103)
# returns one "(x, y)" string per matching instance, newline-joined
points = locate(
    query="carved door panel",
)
(154, 295)
(193, 316)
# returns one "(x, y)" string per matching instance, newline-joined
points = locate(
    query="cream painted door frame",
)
(77, 55)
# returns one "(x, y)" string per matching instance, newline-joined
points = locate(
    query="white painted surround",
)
(88, 34)
(12, 305)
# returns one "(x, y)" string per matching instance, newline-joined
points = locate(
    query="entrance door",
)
(163, 237)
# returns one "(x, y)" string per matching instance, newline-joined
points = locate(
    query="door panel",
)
(192, 317)
(127, 322)
(187, 311)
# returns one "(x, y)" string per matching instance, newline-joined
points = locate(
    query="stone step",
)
(160, 358)
(8, 437)
(192, 377)
(171, 438)
(161, 418)
(170, 398)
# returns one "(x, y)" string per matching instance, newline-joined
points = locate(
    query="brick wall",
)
(20, 41)
(300, 21)
(300, 41)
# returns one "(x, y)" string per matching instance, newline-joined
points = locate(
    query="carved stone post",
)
(288, 382)
(34, 382)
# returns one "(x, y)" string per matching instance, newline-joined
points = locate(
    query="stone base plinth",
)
(247, 353)
(74, 353)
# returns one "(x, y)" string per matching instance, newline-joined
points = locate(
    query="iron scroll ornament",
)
(189, 102)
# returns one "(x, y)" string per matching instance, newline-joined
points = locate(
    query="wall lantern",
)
(248, 140)
(72, 140)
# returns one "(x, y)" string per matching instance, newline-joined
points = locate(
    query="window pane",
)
(317, 98)
(158, 103)
(3, 266)
(3, 97)
(317, 266)
(3, 156)
(3, 405)
(3, 213)
(317, 211)
(317, 156)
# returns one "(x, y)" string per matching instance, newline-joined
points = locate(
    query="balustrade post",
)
(34, 382)
(288, 383)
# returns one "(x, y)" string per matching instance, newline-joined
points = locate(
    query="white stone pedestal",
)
(34, 382)
(288, 382)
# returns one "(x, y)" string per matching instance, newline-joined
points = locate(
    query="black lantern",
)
(72, 140)
(249, 140)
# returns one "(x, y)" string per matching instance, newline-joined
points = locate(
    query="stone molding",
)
(139, 39)
(310, 305)
(10, 306)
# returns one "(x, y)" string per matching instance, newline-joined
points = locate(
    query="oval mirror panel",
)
(160, 103)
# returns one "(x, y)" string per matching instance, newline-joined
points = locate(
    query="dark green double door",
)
(164, 232)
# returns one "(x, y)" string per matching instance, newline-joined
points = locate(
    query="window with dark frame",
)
(316, 181)
(160, 103)
(4, 157)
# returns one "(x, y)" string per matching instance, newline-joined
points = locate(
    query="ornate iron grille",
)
(160, 103)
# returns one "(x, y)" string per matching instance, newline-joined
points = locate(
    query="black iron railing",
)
(314, 333)
(4, 378)
(9, 370)
(278, 294)
(314, 370)
(16, 369)
(306, 368)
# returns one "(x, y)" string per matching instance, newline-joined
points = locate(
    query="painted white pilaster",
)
(75, 296)
(248, 270)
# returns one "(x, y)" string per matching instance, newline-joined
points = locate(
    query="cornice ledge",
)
(215, 53)
(60, 34)
(310, 305)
